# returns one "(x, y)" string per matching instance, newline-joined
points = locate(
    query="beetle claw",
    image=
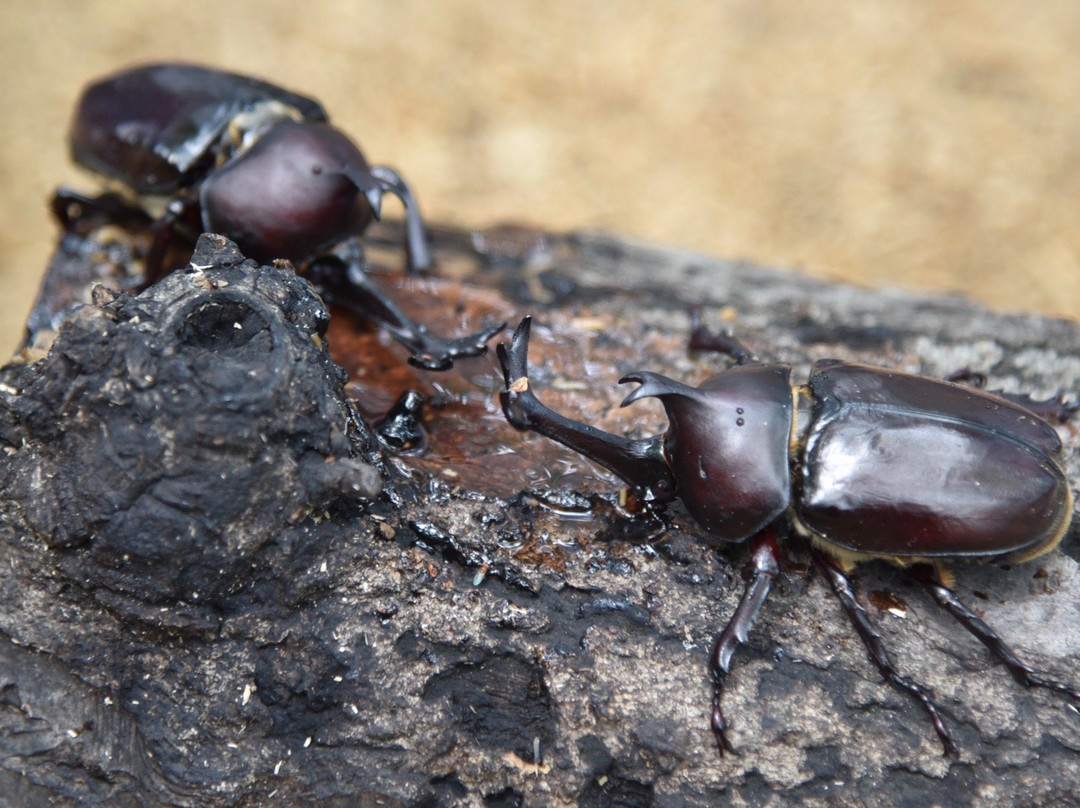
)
(719, 726)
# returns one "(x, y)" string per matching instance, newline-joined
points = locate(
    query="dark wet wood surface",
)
(493, 630)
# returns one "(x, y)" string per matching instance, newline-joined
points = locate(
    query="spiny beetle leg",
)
(759, 574)
(344, 282)
(929, 577)
(431, 352)
(876, 646)
(79, 213)
(639, 462)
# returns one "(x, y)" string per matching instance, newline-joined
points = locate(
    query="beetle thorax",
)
(728, 447)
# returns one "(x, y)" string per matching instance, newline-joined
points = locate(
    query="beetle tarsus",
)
(431, 352)
(1052, 409)
(1057, 409)
(929, 577)
(875, 646)
(719, 725)
(759, 573)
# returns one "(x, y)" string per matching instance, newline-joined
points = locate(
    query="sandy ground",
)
(922, 144)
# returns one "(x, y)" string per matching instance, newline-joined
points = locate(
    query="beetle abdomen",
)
(153, 126)
(939, 470)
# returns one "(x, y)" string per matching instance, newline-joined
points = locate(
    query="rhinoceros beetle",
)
(256, 163)
(865, 463)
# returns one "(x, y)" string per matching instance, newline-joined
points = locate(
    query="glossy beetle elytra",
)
(256, 163)
(865, 462)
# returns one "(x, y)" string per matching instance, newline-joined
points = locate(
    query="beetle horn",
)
(655, 385)
(366, 183)
(374, 194)
(640, 463)
(416, 234)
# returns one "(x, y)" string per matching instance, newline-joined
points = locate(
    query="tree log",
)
(220, 591)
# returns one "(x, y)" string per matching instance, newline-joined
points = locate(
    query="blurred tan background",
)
(923, 144)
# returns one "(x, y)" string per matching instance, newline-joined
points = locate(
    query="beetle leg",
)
(81, 214)
(345, 283)
(972, 378)
(1053, 409)
(930, 578)
(176, 211)
(415, 233)
(639, 462)
(702, 339)
(759, 573)
(876, 646)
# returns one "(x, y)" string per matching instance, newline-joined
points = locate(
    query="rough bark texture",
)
(206, 599)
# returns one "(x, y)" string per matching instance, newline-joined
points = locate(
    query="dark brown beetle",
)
(864, 462)
(256, 163)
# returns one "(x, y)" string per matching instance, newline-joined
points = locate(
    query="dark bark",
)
(206, 600)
